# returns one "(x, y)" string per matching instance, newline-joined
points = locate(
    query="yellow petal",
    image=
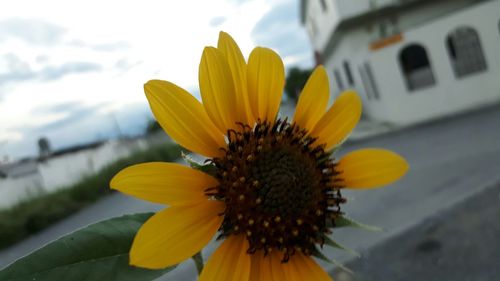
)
(266, 79)
(255, 266)
(229, 262)
(369, 168)
(217, 89)
(269, 267)
(276, 267)
(183, 118)
(304, 268)
(175, 234)
(165, 183)
(338, 122)
(238, 66)
(313, 99)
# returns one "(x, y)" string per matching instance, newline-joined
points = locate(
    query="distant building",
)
(410, 60)
(30, 177)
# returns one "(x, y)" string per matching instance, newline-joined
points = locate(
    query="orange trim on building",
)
(379, 44)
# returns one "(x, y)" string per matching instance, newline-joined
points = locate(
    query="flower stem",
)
(198, 261)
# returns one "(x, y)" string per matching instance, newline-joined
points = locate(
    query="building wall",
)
(70, 168)
(63, 171)
(450, 95)
(14, 190)
(321, 22)
(354, 51)
(334, 64)
(17, 170)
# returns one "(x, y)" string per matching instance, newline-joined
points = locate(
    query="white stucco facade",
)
(388, 68)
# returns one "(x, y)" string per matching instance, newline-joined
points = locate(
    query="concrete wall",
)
(68, 169)
(65, 170)
(14, 190)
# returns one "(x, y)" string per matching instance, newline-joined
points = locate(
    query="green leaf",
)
(328, 155)
(318, 254)
(343, 221)
(341, 266)
(330, 242)
(98, 252)
(207, 168)
(198, 261)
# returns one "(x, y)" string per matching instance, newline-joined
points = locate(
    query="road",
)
(451, 160)
(462, 243)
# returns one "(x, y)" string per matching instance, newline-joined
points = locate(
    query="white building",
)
(410, 60)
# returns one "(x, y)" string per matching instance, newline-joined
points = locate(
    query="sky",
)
(73, 71)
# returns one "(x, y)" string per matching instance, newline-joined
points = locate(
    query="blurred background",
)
(73, 113)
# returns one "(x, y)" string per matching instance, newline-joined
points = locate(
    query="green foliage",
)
(38, 213)
(343, 221)
(319, 255)
(98, 252)
(295, 81)
(332, 243)
(152, 127)
(204, 167)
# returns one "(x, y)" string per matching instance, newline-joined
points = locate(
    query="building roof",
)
(76, 148)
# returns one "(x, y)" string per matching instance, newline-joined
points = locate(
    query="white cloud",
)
(125, 43)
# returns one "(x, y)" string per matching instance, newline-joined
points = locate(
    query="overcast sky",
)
(73, 71)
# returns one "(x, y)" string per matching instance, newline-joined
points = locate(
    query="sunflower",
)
(274, 189)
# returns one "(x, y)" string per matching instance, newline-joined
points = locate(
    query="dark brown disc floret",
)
(280, 188)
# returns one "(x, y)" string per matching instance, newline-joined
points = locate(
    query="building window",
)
(348, 73)
(369, 82)
(323, 5)
(416, 67)
(338, 78)
(465, 51)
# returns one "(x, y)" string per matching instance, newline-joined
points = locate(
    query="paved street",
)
(450, 160)
(462, 243)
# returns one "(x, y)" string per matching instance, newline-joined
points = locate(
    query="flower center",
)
(281, 190)
(289, 182)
